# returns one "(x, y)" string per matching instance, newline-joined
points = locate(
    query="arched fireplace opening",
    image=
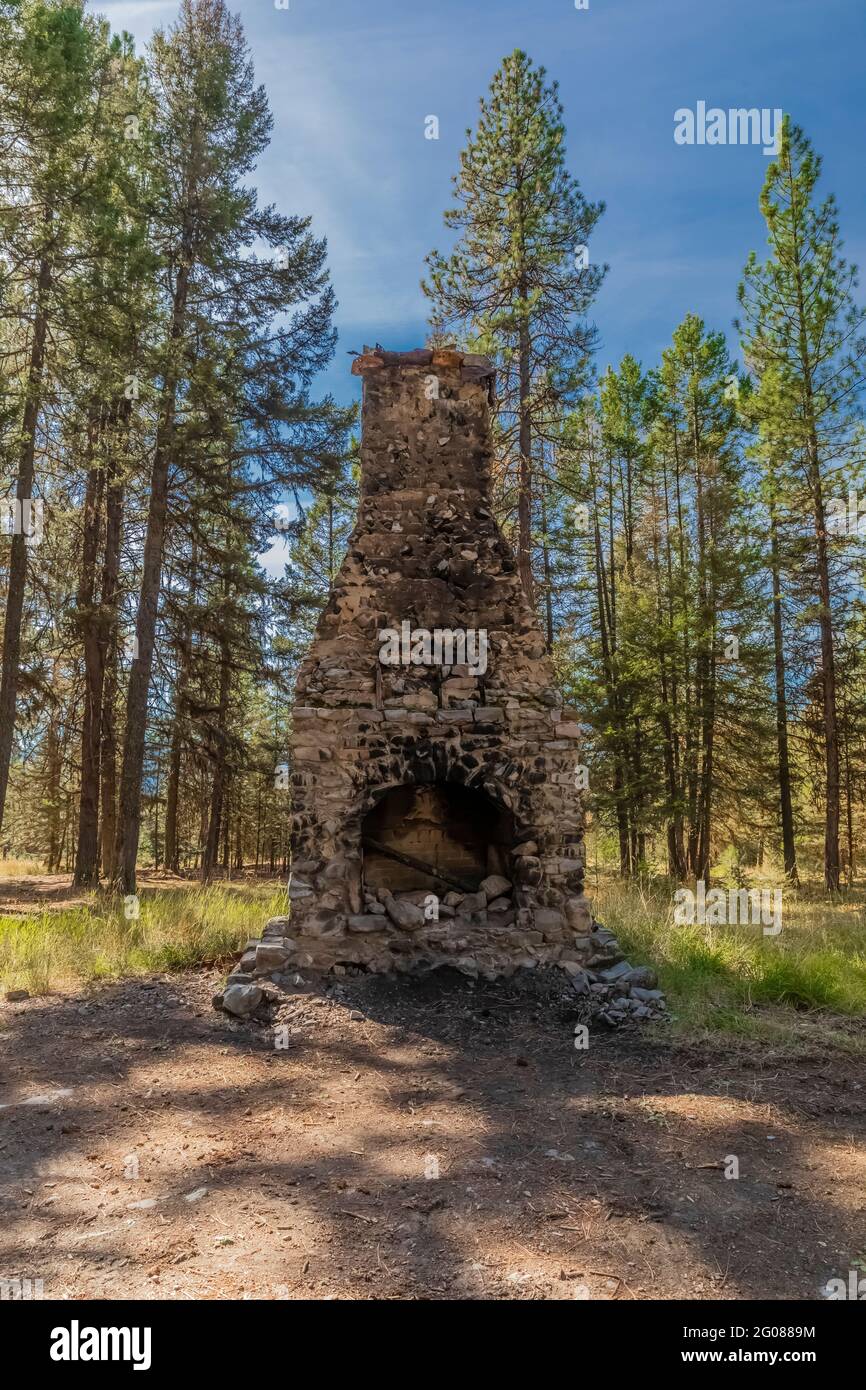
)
(438, 837)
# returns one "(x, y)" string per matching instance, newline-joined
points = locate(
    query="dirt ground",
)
(152, 1147)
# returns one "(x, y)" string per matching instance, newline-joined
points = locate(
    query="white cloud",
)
(327, 159)
(274, 560)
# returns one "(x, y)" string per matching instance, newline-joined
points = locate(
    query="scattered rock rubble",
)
(608, 988)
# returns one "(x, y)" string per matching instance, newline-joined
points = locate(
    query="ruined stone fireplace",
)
(435, 816)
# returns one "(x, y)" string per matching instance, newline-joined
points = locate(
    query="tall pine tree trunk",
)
(786, 812)
(172, 852)
(637, 835)
(109, 634)
(87, 855)
(108, 769)
(709, 601)
(705, 798)
(548, 582)
(172, 797)
(156, 813)
(218, 786)
(172, 800)
(604, 624)
(524, 494)
(129, 817)
(849, 814)
(828, 686)
(17, 583)
(668, 715)
(825, 617)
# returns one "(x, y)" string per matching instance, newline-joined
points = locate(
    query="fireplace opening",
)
(438, 838)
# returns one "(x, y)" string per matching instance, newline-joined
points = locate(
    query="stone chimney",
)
(434, 771)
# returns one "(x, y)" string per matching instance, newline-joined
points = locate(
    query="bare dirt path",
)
(152, 1147)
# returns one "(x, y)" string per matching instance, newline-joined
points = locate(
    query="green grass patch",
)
(177, 929)
(809, 982)
(716, 976)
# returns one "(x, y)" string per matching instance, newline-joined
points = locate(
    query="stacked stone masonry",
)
(406, 749)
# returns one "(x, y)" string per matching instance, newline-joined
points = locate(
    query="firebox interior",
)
(438, 837)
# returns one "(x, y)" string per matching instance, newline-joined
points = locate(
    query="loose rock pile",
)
(609, 989)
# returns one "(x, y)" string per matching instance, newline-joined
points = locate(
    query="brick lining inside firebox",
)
(459, 833)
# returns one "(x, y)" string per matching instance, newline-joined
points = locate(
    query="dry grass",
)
(809, 980)
(176, 930)
(735, 979)
(20, 868)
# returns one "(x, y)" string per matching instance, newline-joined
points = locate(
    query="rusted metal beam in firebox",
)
(413, 863)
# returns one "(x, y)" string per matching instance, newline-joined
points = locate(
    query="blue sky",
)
(351, 82)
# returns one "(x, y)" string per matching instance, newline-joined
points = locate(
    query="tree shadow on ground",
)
(426, 1138)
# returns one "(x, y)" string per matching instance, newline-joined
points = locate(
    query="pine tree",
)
(666, 653)
(802, 334)
(113, 301)
(49, 188)
(317, 543)
(518, 283)
(211, 123)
